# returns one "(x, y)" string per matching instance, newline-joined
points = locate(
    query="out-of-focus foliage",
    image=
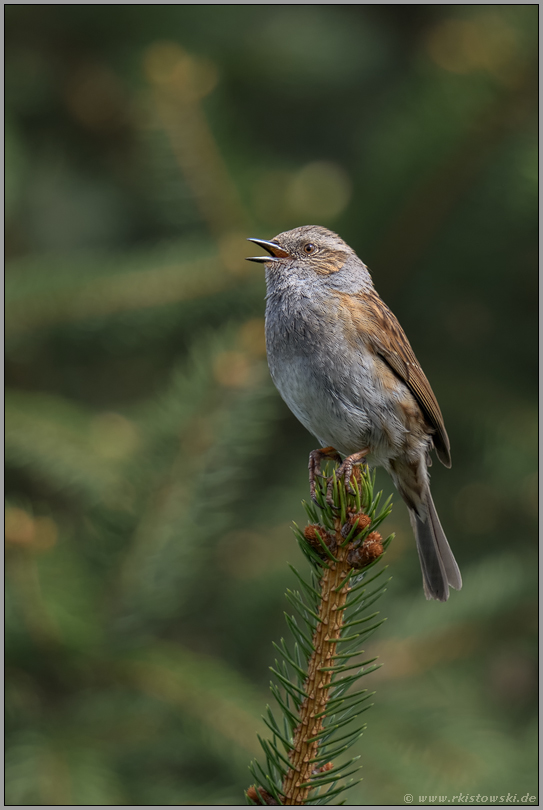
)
(153, 471)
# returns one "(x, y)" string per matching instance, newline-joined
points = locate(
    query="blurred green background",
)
(152, 469)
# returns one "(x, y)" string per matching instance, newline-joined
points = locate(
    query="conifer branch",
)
(321, 717)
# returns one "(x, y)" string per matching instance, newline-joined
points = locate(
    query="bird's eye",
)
(309, 248)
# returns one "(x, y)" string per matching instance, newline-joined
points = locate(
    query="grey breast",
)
(329, 393)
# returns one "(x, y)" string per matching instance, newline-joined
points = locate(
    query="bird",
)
(342, 363)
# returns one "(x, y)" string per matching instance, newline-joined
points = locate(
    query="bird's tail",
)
(439, 568)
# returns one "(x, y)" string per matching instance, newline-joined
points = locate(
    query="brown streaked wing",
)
(390, 342)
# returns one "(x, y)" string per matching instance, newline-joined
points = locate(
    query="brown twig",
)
(297, 783)
(346, 545)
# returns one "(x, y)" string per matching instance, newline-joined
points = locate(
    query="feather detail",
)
(379, 327)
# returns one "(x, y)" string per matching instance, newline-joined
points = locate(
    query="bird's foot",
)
(315, 458)
(346, 470)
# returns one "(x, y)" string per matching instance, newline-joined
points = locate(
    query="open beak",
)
(274, 249)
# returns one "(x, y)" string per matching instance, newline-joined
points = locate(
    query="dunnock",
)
(344, 366)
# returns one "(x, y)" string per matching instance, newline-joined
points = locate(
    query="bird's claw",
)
(344, 470)
(330, 492)
(315, 458)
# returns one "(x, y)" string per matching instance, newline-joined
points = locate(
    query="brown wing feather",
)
(390, 342)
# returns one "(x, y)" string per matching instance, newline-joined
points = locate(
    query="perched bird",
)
(344, 366)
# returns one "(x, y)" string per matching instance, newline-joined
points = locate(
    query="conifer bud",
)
(370, 550)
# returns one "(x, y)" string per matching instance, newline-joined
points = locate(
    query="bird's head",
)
(311, 253)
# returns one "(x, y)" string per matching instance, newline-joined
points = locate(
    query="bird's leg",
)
(315, 458)
(346, 469)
